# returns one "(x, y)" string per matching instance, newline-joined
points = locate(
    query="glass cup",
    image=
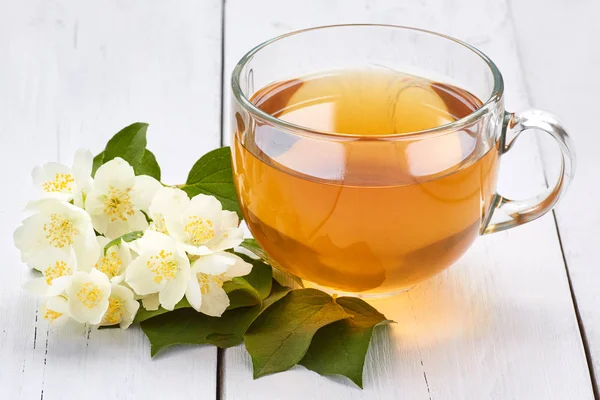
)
(379, 234)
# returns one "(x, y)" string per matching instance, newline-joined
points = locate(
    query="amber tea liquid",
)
(364, 210)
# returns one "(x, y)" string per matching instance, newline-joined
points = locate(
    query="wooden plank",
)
(26, 117)
(76, 73)
(499, 324)
(561, 67)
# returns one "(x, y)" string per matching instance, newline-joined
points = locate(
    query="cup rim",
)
(459, 124)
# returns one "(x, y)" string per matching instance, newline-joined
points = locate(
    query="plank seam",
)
(425, 376)
(35, 328)
(412, 306)
(45, 362)
(220, 372)
(580, 325)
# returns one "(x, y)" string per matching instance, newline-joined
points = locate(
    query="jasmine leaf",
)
(129, 144)
(187, 326)
(143, 314)
(148, 166)
(97, 162)
(261, 276)
(212, 175)
(281, 335)
(251, 289)
(241, 293)
(128, 237)
(253, 246)
(341, 347)
(277, 293)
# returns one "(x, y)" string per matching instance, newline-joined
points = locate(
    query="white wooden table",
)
(517, 318)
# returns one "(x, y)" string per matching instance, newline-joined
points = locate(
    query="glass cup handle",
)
(508, 213)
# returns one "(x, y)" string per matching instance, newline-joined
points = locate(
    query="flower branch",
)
(114, 246)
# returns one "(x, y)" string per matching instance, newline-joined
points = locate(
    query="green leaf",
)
(97, 162)
(129, 144)
(221, 339)
(187, 326)
(277, 293)
(281, 335)
(128, 237)
(280, 274)
(212, 175)
(261, 276)
(241, 294)
(148, 166)
(341, 348)
(253, 246)
(251, 289)
(144, 314)
(214, 162)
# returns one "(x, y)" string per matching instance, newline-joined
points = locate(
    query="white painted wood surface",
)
(498, 325)
(501, 324)
(71, 75)
(561, 67)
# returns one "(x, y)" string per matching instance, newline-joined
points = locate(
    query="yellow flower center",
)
(115, 312)
(89, 295)
(55, 271)
(110, 265)
(117, 204)
(60, 183)
(204, 281)
(163, 266)
(199, 230)
(60, 232)
(51, 315)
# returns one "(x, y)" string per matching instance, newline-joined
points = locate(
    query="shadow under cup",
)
(366, 215)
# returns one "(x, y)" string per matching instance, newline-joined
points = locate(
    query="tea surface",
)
(371, 214)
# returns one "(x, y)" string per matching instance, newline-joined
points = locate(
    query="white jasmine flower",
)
(151, 302)
(203, 227)
(161, 267)
(205, 290)
(117, 258)
(57, 267)
(166, 201)
(122, 307)
(57, 181)
(57, 225)
(87, 296)
(118, 197)
(56, 310)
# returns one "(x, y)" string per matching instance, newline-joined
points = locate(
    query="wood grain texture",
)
(72, 74)
(561, 66)
(498, 325)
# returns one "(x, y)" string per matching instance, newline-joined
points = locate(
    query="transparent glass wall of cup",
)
(370, 231)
